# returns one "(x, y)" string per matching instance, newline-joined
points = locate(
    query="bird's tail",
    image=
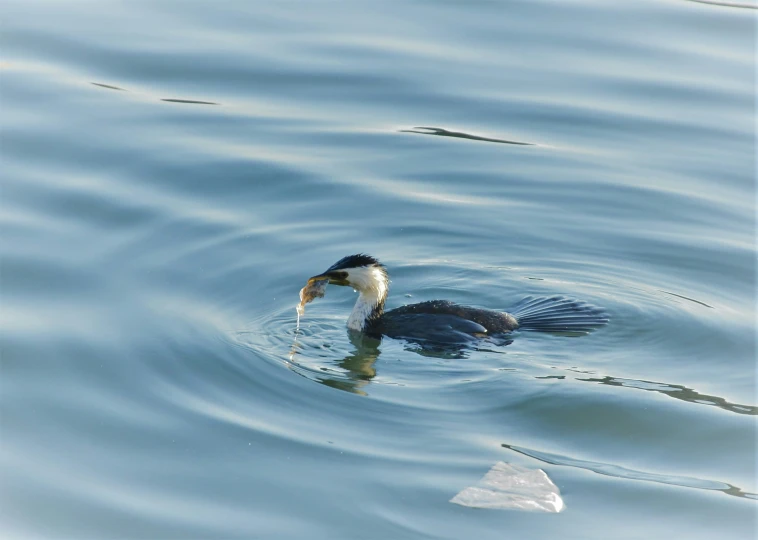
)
(558, 314)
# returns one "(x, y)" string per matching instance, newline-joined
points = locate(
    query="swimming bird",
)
(443, 321)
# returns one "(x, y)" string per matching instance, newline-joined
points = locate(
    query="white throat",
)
(372, 286)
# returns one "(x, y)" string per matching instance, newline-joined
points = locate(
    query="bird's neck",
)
(368, 307)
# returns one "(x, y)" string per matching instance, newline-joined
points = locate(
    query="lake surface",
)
(173, 172)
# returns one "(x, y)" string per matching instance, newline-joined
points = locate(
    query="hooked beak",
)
(334, 278)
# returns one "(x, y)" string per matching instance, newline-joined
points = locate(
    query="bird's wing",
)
(441, 328)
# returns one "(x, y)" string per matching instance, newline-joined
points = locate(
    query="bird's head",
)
(362, 272)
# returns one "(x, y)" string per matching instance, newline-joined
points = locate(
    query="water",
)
(173, 172)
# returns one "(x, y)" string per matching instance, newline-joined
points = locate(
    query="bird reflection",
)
(358, 368)
(676, 391)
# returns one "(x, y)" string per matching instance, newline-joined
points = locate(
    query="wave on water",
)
(725, 4)
(460, 135)
(189, 101)
(618, 471)
(676, 391)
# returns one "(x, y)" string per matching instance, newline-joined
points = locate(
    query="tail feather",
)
(558, 314)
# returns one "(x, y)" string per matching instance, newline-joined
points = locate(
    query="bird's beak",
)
(333, 279)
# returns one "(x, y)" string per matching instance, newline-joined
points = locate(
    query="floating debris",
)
(510, 487)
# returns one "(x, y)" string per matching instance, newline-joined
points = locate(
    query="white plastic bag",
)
(510, 487)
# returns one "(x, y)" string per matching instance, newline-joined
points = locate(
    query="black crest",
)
(354, 261)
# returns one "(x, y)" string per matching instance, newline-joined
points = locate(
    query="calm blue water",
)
(173, 171)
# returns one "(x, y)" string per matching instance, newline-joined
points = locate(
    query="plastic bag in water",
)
(510, 487)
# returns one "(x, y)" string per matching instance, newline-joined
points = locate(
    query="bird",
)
(443, 321)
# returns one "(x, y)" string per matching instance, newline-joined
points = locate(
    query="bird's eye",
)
(343, 275)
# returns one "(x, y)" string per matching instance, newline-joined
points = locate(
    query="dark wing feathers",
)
(442, 313)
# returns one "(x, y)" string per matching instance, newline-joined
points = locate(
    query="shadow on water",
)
(617, 471)
(459, 134)
(676, 391)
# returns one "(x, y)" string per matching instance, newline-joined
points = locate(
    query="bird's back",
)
(441, 318)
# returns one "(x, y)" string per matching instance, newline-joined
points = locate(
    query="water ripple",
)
(676, 391)
(153, 383)
(460, 135)
(724, 4)
(109, 87)
(618, 471)
(189, 101)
